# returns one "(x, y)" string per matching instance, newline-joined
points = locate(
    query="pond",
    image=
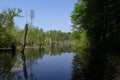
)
(40, 65)
(60, 64)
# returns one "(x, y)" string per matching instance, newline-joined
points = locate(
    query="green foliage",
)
(78, 15)
(100, 21)
(38, 36)
(8, 31)
(80, 39)
(35, 35)
(78, 19)
(9, 15)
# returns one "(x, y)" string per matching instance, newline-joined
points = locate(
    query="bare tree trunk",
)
(22, 53)
(24, 43)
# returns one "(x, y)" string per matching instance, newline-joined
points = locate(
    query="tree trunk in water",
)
(22, 52)
(24, 43)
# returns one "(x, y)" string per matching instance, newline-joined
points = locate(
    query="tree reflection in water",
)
(112, 67)
(96, 65)
(24, 65)
(76, 68)
(87, 65)
(6, 64)
(32, 56)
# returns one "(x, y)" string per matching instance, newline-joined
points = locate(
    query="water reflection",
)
(6, 64)
(60, 64)
(51, 50)
(48, 64)
(112, 67)
(96, 65)
(24, 65)
(13, 54)
(77, 71)
(33, 64)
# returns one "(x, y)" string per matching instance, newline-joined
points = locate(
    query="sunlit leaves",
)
(8, 30)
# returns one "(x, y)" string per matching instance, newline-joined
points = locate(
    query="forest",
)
(96, 24)
(11, 33)
(89, 52)
(96, 37)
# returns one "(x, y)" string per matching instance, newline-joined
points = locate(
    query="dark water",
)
(60, 64)
(96, 65)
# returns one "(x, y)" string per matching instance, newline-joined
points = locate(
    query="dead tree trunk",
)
(24, 43)
(22, 52)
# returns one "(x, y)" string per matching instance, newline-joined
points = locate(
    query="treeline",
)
(39, 36)
(96, 30)
(96, 23)
(10, 33)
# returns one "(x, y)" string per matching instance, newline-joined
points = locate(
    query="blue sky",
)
(49, 14)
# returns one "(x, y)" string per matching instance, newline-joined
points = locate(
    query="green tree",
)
(9, 32)
(100, 21)
(10, 14)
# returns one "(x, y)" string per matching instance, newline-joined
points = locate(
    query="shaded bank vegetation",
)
(96, 23)
(96, 65)
(96, 33)
(95, 37)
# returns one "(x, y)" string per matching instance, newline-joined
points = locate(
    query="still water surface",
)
(40, 65)
(60, 64)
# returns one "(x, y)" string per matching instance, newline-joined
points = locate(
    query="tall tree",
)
(8, 31)
(99, 19)
(10, 14)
